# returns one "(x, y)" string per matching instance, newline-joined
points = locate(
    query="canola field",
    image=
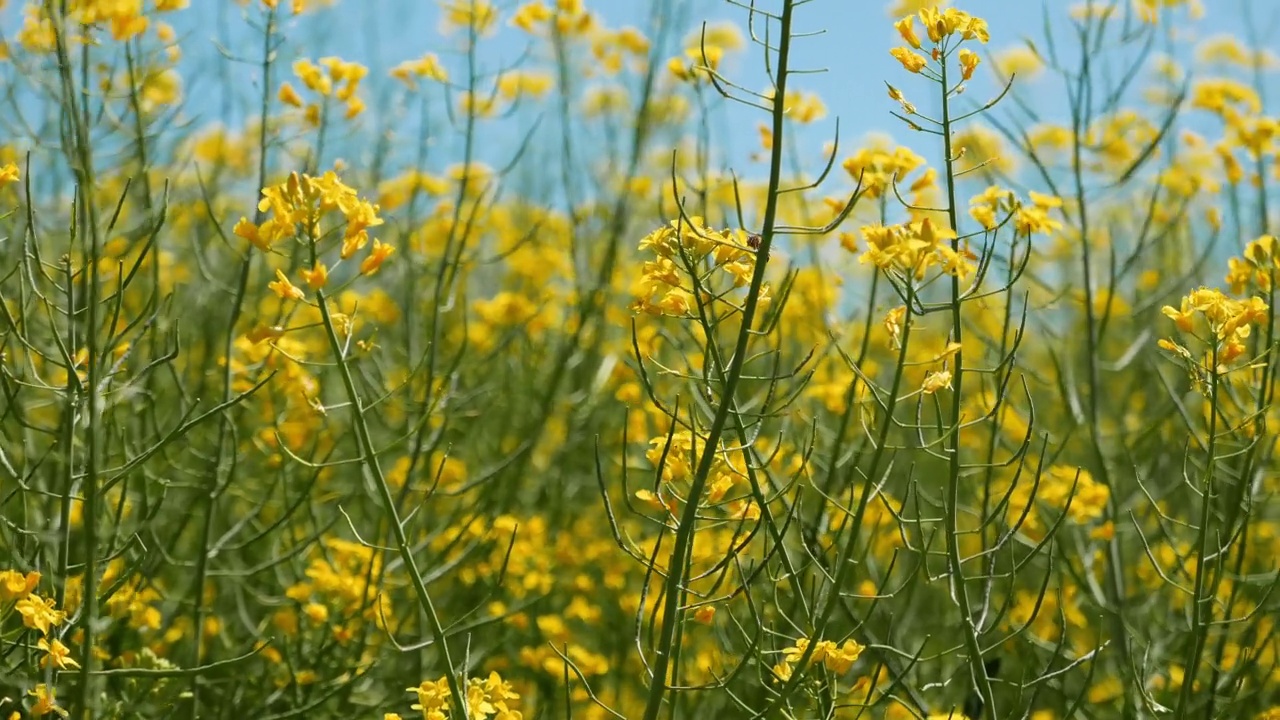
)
(608, 360)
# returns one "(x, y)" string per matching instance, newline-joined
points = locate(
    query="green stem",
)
(1202, 606)
(373, 473)
(845, 560)
(672, 612)
(952, 499)
(1115, 562)
(81, 159)
(215, 482)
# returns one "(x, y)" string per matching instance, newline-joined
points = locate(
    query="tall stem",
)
(373, 473)
(81, 159)
(955, 568)
(225, 434)
(674, 590)
(1202, 605)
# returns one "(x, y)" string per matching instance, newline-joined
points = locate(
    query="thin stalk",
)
(845, 564)
(82, 165)
(82, 162)
(1201, 603)
(373, 473)
(952, 499)
(224, 431)
(1116, 563)
(672, 613)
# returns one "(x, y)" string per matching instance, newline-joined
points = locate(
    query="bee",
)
(753, 241)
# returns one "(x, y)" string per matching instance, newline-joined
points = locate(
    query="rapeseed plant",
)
(491, 385)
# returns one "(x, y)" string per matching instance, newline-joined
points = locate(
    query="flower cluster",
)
(988, 207)
(939, 24)
(332, 78)
(690, 256)
(297, 7)
(487, 699)
(339, 579)
(703, 53)
(17, 594)
(1057, 486)
(676, 457)
(1229, 322)
(571, 17)
(913, 248)
(837, 658)
(474, 16)
(1035, 218)
(1256, 268)
(428, 66)
(302, 201)
(9, 173)
(125, 20)
(877, 167)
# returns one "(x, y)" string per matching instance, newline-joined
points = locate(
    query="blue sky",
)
(850, 51)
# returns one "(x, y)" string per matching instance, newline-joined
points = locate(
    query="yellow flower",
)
(1035, 219)
(38, 613)
(353, 242)
(797, 651)
(840, 659)
(936, 381)
(931, 18)
(907, 106)
(285, 289)
(262, 332)
(428, 66)
(14, 585)
(530, 15)
(45, 703)
(1106, 690)
(1021, 61)
(247, 230)
(1184, 318)
(58, 655)
(913, 62)
(975, 29)
(968, 62)
(478, 16)
(313, 77)
(9, 173)
(1173, 347)
(316, 612)
(893, 325)
(1229, 320)
(516, 84)
(431, 695)
(804, 108)
(906, 28)
(288, 95)
(316, 277)
(377, 255)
